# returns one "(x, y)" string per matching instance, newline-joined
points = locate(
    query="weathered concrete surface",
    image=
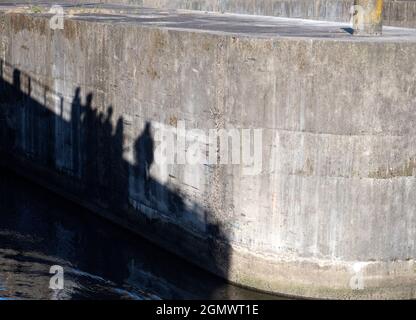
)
(396, 12)
(400, 13)
(368, 17)
(331, 214)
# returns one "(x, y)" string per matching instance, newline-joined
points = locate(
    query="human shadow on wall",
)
(82, 148)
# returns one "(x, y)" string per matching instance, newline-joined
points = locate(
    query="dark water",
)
(39, 229)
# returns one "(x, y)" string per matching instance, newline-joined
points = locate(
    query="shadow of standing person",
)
(75, 130)
(144, 155)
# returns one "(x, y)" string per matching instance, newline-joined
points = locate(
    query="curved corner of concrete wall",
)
(330, 213)
(401, 13)
(398, 13)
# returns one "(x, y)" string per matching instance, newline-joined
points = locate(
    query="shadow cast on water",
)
(39, 229)
(82, 148)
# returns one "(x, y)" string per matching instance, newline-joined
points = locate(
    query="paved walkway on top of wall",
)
(396, 12)
(236, 24)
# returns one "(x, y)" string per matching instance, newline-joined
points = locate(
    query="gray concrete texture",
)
(396, 13)
(332, 213)
(400, 13)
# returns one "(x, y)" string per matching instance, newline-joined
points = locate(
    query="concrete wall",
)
(334, 202)
(396, 12)
(399, 13)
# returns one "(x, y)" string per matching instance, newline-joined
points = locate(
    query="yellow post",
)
(368, 17)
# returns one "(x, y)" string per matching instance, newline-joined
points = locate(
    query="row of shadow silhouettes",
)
(87, 149)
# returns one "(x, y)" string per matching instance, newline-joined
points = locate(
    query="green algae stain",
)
(407, 170)
(35, 9)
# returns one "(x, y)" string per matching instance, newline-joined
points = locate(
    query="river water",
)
(39, 229)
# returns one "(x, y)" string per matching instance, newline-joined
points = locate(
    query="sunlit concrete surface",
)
(401, 13)
(330, 214)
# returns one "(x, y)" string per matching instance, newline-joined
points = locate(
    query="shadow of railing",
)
(70, 137)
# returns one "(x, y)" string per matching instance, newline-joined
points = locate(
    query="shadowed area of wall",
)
(86, 151)
(334, 196)
(39, 229)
